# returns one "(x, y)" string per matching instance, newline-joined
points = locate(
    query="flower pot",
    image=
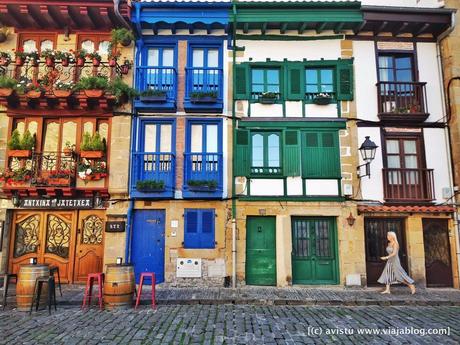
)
(3, 37)
(22, 183)
(4, 92)
(50, 62)
(153, 99)
(59, 181)
(67, 152)
(62, 93)
(34, 94)
(4, 62)
(267, 100)
(94, 93)
(322, 100)
(65, 62)
(19, 61)
(80, 62)
(124, 69)
(206, 99)
(96, 62)
(20, 153)
(91, 154)
(126, 42)
(112, 62)
(34, 62)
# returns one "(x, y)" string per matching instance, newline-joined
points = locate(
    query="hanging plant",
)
(65, 57)
(122, 36)
(33, 58)
(19, 56)
(50, 56)
(96, 58)
(5, 59)
(4, 32)
(80, 57)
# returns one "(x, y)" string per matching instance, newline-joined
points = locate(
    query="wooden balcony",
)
(402, 102)
(408, 185)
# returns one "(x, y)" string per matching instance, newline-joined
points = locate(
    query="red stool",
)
(141, 283)
(89, 288)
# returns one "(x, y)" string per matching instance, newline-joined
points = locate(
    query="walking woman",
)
(393, 273)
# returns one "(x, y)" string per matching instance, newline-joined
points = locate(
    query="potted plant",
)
(95, 58)
(202, 185)
(268, 97)
(32, 89)
(16, 177)
(65, 57)
(63, 89)
(5, 59)
(99, 170)
(20, 57)
(4, 32)
(80, 57)
(121, 91)
(150, 186)
(7, 85)
(50, 57)
(322, 98)
(153, 95)
(126, 66)
(122, 36)
(69, 149)
(21, 147)
(93, 87)
(60, 178)
(88, 171)
(203, 96)
(113, 57)
(92, 146)
(33, 58)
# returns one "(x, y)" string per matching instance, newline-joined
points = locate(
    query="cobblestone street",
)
(230, 324)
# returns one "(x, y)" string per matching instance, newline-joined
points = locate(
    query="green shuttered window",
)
(321, 155)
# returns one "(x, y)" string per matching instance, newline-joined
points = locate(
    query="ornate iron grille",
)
(26, 236)
(92, 230)
(58, 237)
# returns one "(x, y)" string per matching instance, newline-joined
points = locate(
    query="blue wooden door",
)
(148, 243)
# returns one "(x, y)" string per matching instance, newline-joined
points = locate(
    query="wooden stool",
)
(38, 291)
(53, 271)
(89, 288)
(6, 283)
(141, 282)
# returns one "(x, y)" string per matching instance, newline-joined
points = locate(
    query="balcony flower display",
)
(202, 185)
(322, 98)
(121, 91)
(153, 95)
(5, 59)
(92, 171)
(32, 89)
(92, 147)
(63, 89)
(21, 147)
(33, 58)
(95, 58)
(69, 149)
(122, 36)
(203, 96)
(50, 56)
(150, 186)
(60, 177)
(15, 177)
(268, 97)
(80, 57)
(19, 56)
(126, 66)
(93, 87)
(7, 85)
(65, 57)
(113, 57)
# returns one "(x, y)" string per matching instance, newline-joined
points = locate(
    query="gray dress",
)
(393, 273)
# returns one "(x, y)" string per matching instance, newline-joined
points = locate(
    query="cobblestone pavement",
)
(231, 324)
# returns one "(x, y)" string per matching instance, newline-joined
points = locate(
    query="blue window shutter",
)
(191, 234)
(207, 229)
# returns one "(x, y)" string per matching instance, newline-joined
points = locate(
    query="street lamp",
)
(367, 150)
(16, 200)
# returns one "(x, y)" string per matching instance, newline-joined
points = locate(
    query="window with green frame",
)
(319, 81)
(265, 80)
(266, 153)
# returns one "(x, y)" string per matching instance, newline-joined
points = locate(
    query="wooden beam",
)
(61, 20)
(422, 29)
(191, 30)
(173, 28)
(20, 15)
(358, 28)
(5, 18)
(74, 16)
(302, 28)
(320, 27)
(46, 15)
(283, 28)
(104, 17)
(93, 14)
(208, 29)
(380, 28)
(338, 28)
(39, 18)
(85, 19)
(263, 29)
(245, 28)
(400, 29)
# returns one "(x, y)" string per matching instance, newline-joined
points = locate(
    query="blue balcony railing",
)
(158, 79)
(200, 168)
(205, 81)
(153, 166)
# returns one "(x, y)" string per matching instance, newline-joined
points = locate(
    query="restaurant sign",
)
(57, 203)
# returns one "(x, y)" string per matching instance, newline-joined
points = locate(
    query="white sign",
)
(188, 268)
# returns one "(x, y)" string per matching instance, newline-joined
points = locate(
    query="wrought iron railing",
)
(154, 166)
(408, 184)
(204, 80)
(266, 171)
(157, 79)
(403, 98)
(203, 167)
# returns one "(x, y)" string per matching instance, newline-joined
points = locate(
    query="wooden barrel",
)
(26, 283)
(119, 286)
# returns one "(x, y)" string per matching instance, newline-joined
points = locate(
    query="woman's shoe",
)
(412, 289)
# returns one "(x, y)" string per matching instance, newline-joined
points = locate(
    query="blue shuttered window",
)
(199, 230)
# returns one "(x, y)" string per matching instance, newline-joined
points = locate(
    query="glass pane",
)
(257, 88)
(393, 162)
(103, 130)
(165, 138)
(197, 138)
(257, 150)
(404, 75)
(104, 48)
(273, 88)
(51, 137)
(213, 58)
(150, 138)
(273, 76)
(403, 62)
(326, 76)
(152, 57)
(198, 57)
(392, 146)
(168, 57)
(88, 127)
(88, 45)
(411, 162)
(46, 44)
(257, 76)
(273, 150)
(386, 75)
(385, 62)
(410, 146)
(312, 76)
(69, 134)
(33, 127)
(327, 88)
(29, 46)
(312, 88)
(211, 139)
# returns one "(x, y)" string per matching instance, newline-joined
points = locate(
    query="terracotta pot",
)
(80, 62)
(67, 152)
(19, 61)
(96, 62)
(91, 154)
(62, 93)
(50, 62)
(94, 93)
(34, 94)
(4, 62)
(3, 37)
(126, 42)
(19, 153)
(124, 69)
(34, 62)
(4, 92)
(65, 62)
(58, 181)
(112, 62)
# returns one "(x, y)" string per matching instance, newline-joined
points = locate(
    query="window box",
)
(20, 153)
(322, 100)
(62, 93)
(202, 186)
(5, 92)
(150, 186)
(267, 100)
(206, 99)
(91, 154)
(153, 99)
(34, 94)
(59, 181)
(93, 93)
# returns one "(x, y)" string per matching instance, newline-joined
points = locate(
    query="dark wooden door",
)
(90, 244)
(376, 242)
(314, 251)
(261, 251)
(438, 265)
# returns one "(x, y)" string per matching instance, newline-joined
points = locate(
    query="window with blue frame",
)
(199, 229)
(204, 71)
(265, 80)
(159, 69)
(319, 81)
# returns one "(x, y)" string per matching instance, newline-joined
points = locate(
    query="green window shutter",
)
(321, 155)
(241, 83)
(242, 162)
(345, 81)
(295, 82)
(291, 164)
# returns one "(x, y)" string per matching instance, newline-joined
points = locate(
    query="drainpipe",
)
(234, 238)
(116, 9)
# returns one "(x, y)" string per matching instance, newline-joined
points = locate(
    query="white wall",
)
(404, 3)
(372, 188)
(365, 80)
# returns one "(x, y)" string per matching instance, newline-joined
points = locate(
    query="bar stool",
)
(141, 282)
(6, 282)
(53, 271)
(38, 291)
(89, 288)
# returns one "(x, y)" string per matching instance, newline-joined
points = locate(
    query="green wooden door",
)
(261, 251)
(314, 251)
